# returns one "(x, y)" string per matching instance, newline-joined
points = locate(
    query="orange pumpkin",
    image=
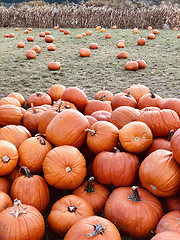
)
(10, 114)
(61, 30)
(42, 34)
(51, 47)
(102, 115)
(36, 48)
(55, 27)
(166, 236)
(120, 44)
(172, 103)
(135, 30)
(11, 35)
(16, 29)
(141, 64)
(5, 201)
(141, 41)
(155, 31)
(123, 99)
(93, 46)
(30, 39)
(137, 90)
(38, 99)
(31, 54)
(88, 32)
(131, 66)
(84, 52)
(9, 101)
(47, 33)
(114, 27)
(20, 45)
(49, 38)
(29, 29)
(151, 36)
(6, 35)
(54, 66)
(103, 30)
(149, 28)
(55, 91)
(18, 96)
(175, 148)
(4, 185)
(26, 31)
(150, 100)
(122, 55)
(108, 36)
(79, 36)
(104, 94)
(66, 32)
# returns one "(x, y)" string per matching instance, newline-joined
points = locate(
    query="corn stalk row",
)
(83, 15)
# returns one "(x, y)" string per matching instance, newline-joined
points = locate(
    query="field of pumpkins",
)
(105, 168)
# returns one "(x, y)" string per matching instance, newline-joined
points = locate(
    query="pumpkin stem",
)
(91, 131)
(116, 150)
(67, 107)
(170, 134)
(90, 186)
(152, 95)
(42, 138)
(97, 229)
(33, 108)
(101, 98)
(68, 169)
(5, 159)
(128, 95)
(134, 195)
(38, 94)
(18, 208)
(71, 208)
(27, 171)
(59, 107)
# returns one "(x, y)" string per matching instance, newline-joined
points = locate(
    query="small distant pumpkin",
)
(141, 41)
(155, 31)
(66, 32)
(20, 45)
(29, 29)
(93, 46)
(53, 66)
(55, 27)
(61, 30)
(120, 44)
(6, 35)
(84, 52)
(30, 39)
(135, 30)
(151, 36)
(122, 55)
(47, 33)
(103, 29)
(114, 27)
(16, 29)
(132, 66)
(11, 35)
(36, 48)
(79, 36)
(178, 36)
(42, 34)
(26, 31)
(108, 36)
(51, 47)
(149, 28)
(88, 32)
(141, 63)
(49, 38)
(31, 54)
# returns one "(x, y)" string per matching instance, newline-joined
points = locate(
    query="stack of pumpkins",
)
(117, 155)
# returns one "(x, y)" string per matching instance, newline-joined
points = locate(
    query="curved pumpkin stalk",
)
(135, 195)
(99, 229)
(90, 186)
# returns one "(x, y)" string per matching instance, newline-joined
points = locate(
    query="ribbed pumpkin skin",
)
(38, 99)
(60, 211)
(169, 222)
(131, 215)
(173, 203)
(55, 91)
(107, 95)
(172, 103)
(137, 91)
(150, 99)
(29, 226)
(4, 185)
(123, 99)
(102, 115)
(123, 115)
(55, 167)
(86, 226)
(10, 100)
(167, 236)
(32, 153)
(160, 174)
(118, 168)
(175, 146)
(67, 128)
(18, 96)
(8, 157)
(5, 201)
(135, 137)
(91, 119)
(96, 198)
(10, 114)
(14, 134)
(160, 122)
(96, 105)
(105, 137)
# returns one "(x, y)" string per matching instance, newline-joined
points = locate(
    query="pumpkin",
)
(141, 63)
(114, 27)
(93, 227)
(137, 91)
(26, 223)
(160, 121)
(135, 137)
(175, 28)
(174, 142)
(97, 28)
(4, 185)
(172, 103)
(14, 134)
(123, 99)
(53, 66)
(49, 38)
(159, 173)
(103, 30)
(8, 157)
(31, 54)
(51, 47)
(96, 194)
(120, 41)
(88, 32)
(115, 168)
(20, 45)
(26, 31)
(18, 96)
(10, 114)
(104, 94)
(156, 32)
(173, 203)
(5, 201)
(96, 105)
(102, 136)
(129, 208)
(32, 153)
(124, 115)
(135, 30)
(31, 190)
(30, 39)
(150, 109)
(131, 66)
(178, 36)
(10, 101)
(71, 209)
(150, 100)
(6, 35)
(66, 32)
(11, 35)
(166, 236)
(29, 29)
(120, 44)
(122, 55)
(61, 30)
(36, 48)
(151, 36)
(84, 52)
(47, 33)
(39, 98)
(83, 34)
(76, 96)
(79, 36)
(108, 36)
(169, 222)
(61, 105)
(93, 46)
(64, 167)
(141, 41)
(55, 91)
(102, 115)
(149, 28)
(91, 119)
(42, 34)
(55, 27)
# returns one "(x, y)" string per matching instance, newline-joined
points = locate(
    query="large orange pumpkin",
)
(150, 100)
(123, 99)
(55, 91)
(39, 98)
(137, 90)
(10, 114)
(104, 94)
(18, 96)
(9, 101)
(172, 103)
(96, 105)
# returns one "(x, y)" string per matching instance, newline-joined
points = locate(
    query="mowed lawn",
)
(91, 74)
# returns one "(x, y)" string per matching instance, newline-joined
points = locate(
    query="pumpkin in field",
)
(103, 30)
(10, 114)
(149, 28)
(29, 29)
(20, 45)
(91, 119)
(93, 46)
(131, 66)
(31, 54)
(175, 148)
(11, 35)
(104, 94)
(64, 167)
(47, 33)
(141, 63)
(36, 48)
(88, 32)
(49, 38)
(4, 185)
(26, 223)
(39, 98)
(120, 44)
(159, 173)
(30, 39)
(122, 55)
(79, 36)
(51, 47)
(178, 36)
(61, 30)
(102, 136)
(150, 99)
(14, 134)
(6, 35)
(54, 66)
(123, 99)
(137, 90)
(10, 101)
(42, 34)
(115, 168)
(96, 105)
(66, 32)
(55, 27)
(18, 96)
(94, 227)
(169, 222)
(129, 208)
(26, 31)
(96, 194)
(155, 31)
(71, 209)
(135, 30)
(83, 34)
(108, 36)
(32, 153)
(172, 103)
(8, 157)
(141, 41)
(84, 52)
(16, 29)
(173, 203)
(5, 201)
(29, 188)
(151, 36)
(135, 137)
(114, 27)
(166, 236)
(55, 91)
(102, 115)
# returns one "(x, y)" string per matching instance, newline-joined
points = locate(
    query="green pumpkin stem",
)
(170, 134)
(134, 195)
(98, 229)
(18, 208)
(27, 171)
(90, 186)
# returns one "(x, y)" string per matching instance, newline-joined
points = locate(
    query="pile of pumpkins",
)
(117, 155)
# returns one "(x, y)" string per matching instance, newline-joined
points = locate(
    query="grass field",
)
(102, 68)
